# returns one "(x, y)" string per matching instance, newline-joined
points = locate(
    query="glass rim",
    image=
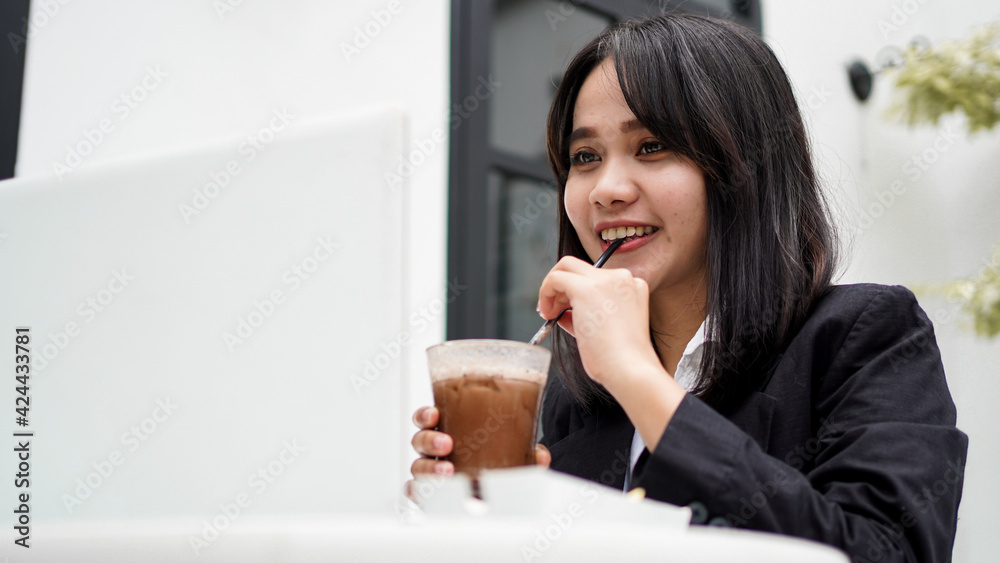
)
(479, 342)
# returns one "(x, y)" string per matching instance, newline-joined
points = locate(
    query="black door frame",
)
(14, 25)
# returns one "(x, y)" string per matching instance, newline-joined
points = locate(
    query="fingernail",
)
(443, 469)
(538, 307)
(439, 443)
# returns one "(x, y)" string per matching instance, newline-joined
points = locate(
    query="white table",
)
(385, 538)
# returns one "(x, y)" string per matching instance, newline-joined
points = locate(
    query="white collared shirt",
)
(686, 375)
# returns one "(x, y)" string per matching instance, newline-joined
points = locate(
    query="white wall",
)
(191, 71)
(941, 224)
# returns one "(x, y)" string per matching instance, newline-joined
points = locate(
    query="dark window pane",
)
(532, 44)
(528, 237)
(718, 7)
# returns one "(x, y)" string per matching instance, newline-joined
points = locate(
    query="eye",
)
(650, 147)
(582, 157)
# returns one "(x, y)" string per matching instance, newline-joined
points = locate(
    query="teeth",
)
(625, 232)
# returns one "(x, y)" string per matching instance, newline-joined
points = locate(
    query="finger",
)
(566, 264)
(542, 456)
(425, 417)
(573, 264)
(432, 443)
(566, 323)
(553, 295)
(427, 466)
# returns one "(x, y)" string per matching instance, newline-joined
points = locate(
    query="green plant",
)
(962, 76)
(952, 76)
(979, 296)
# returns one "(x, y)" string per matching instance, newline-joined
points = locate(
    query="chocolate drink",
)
(490, 418)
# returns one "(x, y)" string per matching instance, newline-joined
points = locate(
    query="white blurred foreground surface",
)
(385, 539)
(529, 514)
(546, 496)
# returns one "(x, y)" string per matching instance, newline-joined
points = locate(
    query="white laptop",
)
(195, 320)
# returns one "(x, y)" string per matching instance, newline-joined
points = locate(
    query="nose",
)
(614, 185)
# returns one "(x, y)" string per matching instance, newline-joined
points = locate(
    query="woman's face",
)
(622, 181)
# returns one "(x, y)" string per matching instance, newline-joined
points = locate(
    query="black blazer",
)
(851, 440)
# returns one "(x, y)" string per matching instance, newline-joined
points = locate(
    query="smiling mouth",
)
(627, 233)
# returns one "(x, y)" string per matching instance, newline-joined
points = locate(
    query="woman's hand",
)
(610, 316)
(430, 443)
(610, 320)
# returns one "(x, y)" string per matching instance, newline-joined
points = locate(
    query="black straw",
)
(547, 327)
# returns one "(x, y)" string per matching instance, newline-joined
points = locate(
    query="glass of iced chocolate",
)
(488, 393)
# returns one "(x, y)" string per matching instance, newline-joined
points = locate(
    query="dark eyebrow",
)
(631, 125)
(580, 133)
(587, 132)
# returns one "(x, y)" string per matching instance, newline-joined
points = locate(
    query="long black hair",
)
(714, 92)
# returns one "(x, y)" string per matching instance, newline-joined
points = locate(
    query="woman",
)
(711, 361)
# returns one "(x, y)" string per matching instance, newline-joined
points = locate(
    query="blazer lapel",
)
(754, 417)
(600, 450)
